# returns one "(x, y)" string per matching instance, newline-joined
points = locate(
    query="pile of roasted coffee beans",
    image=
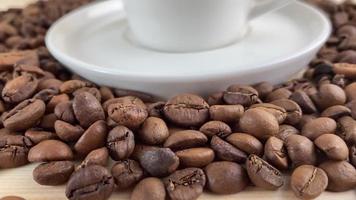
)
(245, 135)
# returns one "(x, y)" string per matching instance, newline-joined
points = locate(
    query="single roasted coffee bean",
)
(301, 150)
(106, 93)
(96, 157)
(217, 128)
(55, 100)
(276, 153)
(64, 111)
(153, 131)
(286, 131)
(263, 89)
(263, 174)
(50, 150)
(278, 112)
(126, 173)
(294, 112)
(92, 90)
(68, 132)
(156, 109)
(341, 175)
(196, 157)
(318, 127)
(149, 189)
(227, 152)
(87, 109)
(346, 69)
(347, 129)
(120, 142)
(240, 95)
(185, 139)
(226, 113)
(336, 112)
(19, 88)
(159, 162)
(281, 93)
(259, 123)
(226, 177)
(246, 143)
(72, 85)
(304, 101)
(37, 136)
(329, 95)
(91, 183)
(333, 146)
(308, 182)
(14, 150)
(187, 110)
(93, 138)
(185, 184)
(350, 91)
(53, 173)
(25, 115)
(128, 111)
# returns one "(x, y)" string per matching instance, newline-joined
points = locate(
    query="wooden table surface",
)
(19, 181)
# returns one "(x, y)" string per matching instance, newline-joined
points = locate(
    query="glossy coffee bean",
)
(333, 146)
(37, 136)
(226, 177)
(153, 131)
(226, 113)
(227, 152)
(187, 110)
(87, 109)
(185, 184)
(329, 95)
(263, 174)
(50, 150)
(304, 101)
(120, 143)
(64, 111)
(263, 89)
(196, 157)
(149, 189)
(126, 173)
(301, 150)
(276, 153)
(318, 127)
(96, 157)
(308, 182)
(14, 150)
(286, 131)
(246, 143)
(341, 175)
(240, 95)
(278, 112)
(185, 139)
(19, 88)
(259, 123)
(294, 112)
(218, 128)
(91, 183)
(68, 132)
(93, 138)
(53, 173)
(159, 162)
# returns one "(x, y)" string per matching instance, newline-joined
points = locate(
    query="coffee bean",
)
(185, 139)
(141, 95)
(50, 83)
(70, 86)
(336, 112)
(226, 113)
(53, 173)
(294, 112)
(14, 150)
(347, 129)
(350, 92)
(37, 136)
(185, 184)
(276, 153)
(259, 123)
(341, 175)
(92, 90)
(94, 137)
(318, 127)
(159, 162)
(301, 150)
(48, 121)
(352, 106)
(263, 174)
(286, 131)
(278, 112)
(128, 111)
(25, 115)
(120, 142)
(346, 69)
(96, 157)
(240, 95)
(149, 189)
(55, 100)
(305, 119)
(19, 88)
(68, 132)
(50, 150)
(308, 182)
(64, 111)
(263, 89)
(217, 128)
(226, 177)
(196, 157)
(153, 131)
(329, 95)
(11, 58)
(87, 109)
(46, 94)
(246, 143)
(156, 109)
(333, 146)
(281, 93)
(126, 173)
(304, 101)
(91, 183)
(227, 152)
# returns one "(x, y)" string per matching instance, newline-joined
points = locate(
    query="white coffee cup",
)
(193, 25)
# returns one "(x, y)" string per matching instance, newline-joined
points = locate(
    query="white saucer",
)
(92, 42)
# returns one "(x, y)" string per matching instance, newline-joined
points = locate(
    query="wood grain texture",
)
(19, 181)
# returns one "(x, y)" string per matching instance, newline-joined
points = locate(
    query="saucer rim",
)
(72, 62)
